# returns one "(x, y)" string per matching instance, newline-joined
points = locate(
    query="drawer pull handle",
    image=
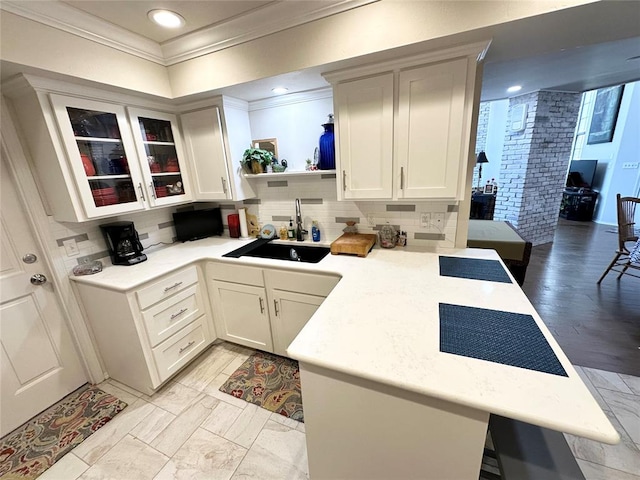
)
(275, 304)
(177, 284)
(187, 346)
(177, 314)
(261, 305)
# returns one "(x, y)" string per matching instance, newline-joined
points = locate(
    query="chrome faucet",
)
(300, 231)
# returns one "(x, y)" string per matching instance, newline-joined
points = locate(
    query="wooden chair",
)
(626, 233)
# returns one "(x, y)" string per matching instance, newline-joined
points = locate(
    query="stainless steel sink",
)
(292, 252)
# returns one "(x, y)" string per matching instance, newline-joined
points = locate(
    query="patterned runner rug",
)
(32, 448)
(269, 381)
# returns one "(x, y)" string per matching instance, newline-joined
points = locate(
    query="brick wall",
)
(534, 164)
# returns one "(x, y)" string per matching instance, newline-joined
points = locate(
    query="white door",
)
(241, 314)
(38, 361)
(290, 312)
(203, 141)
(430, 129)
(364, 111)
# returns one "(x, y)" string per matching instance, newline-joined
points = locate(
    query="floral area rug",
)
(269, 381)
(32, 448)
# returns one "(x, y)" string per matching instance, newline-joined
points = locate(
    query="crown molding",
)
(291, 99)
(274, 17)
(258, 23)
(76, 22)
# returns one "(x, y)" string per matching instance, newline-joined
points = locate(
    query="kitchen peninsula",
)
(381, 400)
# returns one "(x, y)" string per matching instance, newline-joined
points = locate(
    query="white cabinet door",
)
(162, 160)
(241, 314)
(364, 112)
(430, 129)
(205, 146)
(290, 312)
(101, 154)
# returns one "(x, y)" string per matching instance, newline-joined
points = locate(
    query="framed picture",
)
(488, 188)
(605, 114)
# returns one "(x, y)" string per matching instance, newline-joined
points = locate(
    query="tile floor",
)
(191, 430)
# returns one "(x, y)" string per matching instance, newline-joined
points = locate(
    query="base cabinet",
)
(264, 308)
(147, 335)
(240, 314)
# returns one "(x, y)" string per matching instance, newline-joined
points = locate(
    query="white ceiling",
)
(577, 49)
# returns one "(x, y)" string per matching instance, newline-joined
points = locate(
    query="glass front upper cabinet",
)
(102, 155)
(158, 142)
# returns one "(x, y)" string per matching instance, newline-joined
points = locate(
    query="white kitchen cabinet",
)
(365, 136)
(216, 136)
(162, 160)
(90, 157)
(203, 140)
(146, 335)
(264, 308)
(404, 126)
(239, 303)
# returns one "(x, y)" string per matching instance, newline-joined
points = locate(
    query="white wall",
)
(624, 148)
(495, 139)
(296, 126)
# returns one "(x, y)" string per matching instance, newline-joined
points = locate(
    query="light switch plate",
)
(425, 219)
(71, 247)
(371, 221)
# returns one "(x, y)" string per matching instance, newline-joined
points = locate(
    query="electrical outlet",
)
(425, 219)
(630, 165)
(71, 247)
(371, 221)
(438, 220)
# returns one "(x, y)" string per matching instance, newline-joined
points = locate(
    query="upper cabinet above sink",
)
(404, 127)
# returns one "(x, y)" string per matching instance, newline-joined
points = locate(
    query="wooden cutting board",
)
(359, 244)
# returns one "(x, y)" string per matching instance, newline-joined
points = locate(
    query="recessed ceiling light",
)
(279, 90)
(166, 18)
(514, 88)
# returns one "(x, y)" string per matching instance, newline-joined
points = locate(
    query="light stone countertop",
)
(381, 323)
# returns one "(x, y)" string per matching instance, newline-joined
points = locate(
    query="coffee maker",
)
(123, 243)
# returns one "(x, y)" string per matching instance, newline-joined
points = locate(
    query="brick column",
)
(534, 163)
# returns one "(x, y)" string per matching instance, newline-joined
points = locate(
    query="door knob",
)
(38, 279)
(30, 258)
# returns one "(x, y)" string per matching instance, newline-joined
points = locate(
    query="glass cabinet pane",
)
(90, 123)
(103, 156)
(155, 130)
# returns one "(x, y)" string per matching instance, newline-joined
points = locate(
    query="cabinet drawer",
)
(166, 318)
(166, 287)
(312, 284)
(178, 350)
(235, 274)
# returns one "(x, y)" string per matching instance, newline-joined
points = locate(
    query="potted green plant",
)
(255, 160)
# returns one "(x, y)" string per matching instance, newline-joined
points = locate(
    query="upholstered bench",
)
(502, 237)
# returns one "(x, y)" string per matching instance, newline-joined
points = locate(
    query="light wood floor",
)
(596, 326)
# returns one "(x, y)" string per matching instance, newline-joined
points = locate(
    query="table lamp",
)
(482, 158)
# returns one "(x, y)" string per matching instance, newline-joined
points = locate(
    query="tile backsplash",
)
(276, 205)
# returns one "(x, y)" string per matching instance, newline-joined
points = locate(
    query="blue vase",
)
(327, 147)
